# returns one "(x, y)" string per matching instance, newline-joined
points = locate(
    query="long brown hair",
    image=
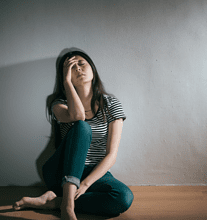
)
(58, 92)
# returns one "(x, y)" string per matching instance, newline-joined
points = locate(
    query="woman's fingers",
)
(67, 66)
(71, 60)
(69, 63)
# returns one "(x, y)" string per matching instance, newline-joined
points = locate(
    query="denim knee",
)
(80, 128)
(127, 198)
(83, 127)
(124, 200)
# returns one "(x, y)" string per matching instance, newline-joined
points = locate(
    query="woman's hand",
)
(82, 189)
(67, 66)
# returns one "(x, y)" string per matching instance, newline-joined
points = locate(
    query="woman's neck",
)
(85, 93)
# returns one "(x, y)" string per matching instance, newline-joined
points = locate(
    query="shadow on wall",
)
(24, 88)
(24, 128)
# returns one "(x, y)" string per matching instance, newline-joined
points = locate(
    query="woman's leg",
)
(63, 171)
(67, 205)
(67, 163)
(64, 168)
(107, 196)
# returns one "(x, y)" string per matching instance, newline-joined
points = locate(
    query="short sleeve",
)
(115, 108)
(57, 101)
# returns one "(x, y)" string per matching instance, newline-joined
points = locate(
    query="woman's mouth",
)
(80, 75)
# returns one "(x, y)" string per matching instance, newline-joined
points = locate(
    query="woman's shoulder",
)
(109, 98)
(59, 101)
(114, 109)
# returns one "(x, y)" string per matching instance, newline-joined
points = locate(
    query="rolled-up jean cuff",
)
(71, 179)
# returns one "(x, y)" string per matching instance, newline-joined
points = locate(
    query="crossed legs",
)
(107, 195)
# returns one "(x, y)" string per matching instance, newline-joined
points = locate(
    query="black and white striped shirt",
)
(97, 150)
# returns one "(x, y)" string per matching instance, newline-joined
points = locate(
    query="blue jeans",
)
(106, 196)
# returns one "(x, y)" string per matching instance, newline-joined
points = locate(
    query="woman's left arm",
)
(113, 140)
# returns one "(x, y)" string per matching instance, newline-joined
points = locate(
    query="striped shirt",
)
(97, 150)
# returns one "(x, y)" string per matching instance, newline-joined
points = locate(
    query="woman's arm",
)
(75, 110)
(75, 106)
(114, 137)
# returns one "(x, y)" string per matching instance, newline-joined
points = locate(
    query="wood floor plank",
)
(150, 202)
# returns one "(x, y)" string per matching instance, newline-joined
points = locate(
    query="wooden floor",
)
(151, 202)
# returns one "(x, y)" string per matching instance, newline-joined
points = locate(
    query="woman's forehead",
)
(79, 57)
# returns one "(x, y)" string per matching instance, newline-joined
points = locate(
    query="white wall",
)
(150, 54)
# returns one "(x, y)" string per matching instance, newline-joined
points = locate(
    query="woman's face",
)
(81, 72)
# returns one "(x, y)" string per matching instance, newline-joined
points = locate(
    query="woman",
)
(90, 124)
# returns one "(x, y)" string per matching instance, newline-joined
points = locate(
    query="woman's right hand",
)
(67, 66)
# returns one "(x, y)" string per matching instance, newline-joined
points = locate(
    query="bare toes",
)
(18, 205)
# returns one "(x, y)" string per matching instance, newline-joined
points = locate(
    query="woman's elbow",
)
(80, 117)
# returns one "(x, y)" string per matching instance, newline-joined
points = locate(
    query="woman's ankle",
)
(68, 213)
(68, 205)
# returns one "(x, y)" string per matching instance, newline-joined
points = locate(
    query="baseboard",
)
(189, 184)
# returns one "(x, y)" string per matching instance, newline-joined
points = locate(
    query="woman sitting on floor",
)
(90, 123)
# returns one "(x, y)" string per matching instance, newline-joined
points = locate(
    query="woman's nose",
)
(77, 67)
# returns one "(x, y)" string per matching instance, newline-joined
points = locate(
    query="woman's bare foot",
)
(47, 201)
